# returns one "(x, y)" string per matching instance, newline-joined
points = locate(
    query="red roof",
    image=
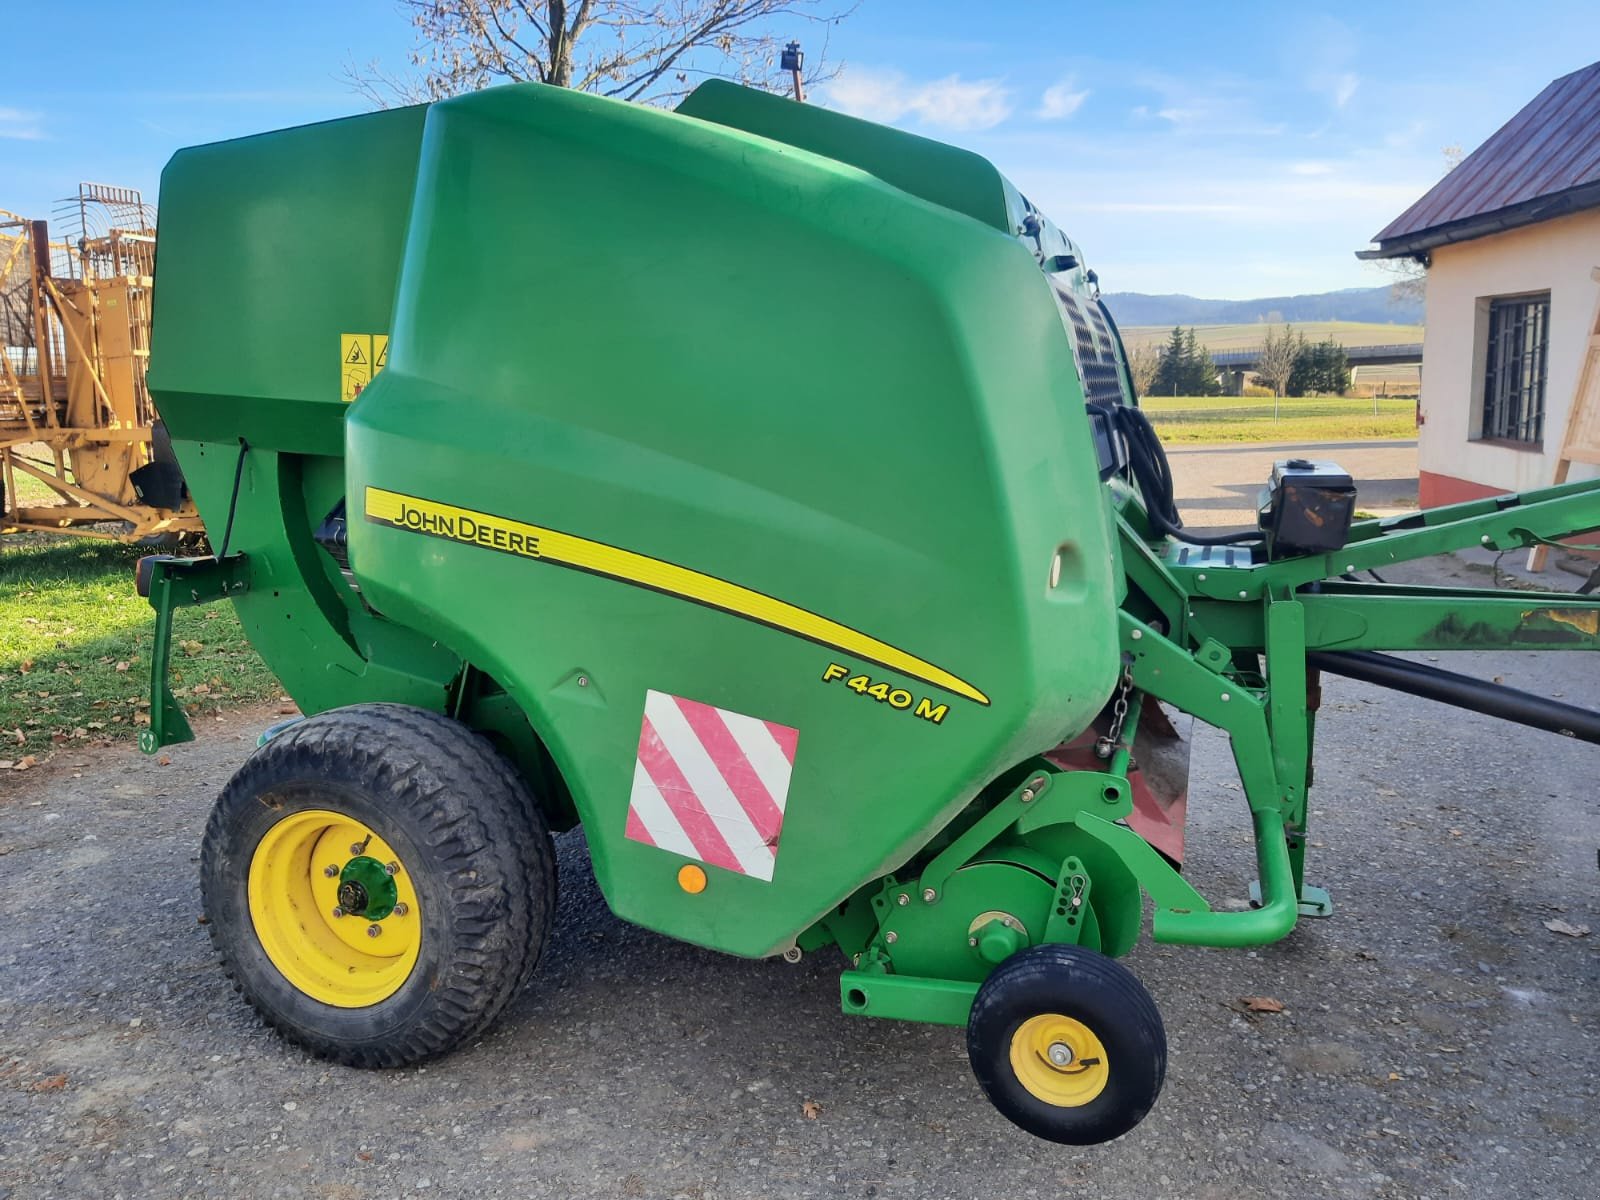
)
(1543, 162)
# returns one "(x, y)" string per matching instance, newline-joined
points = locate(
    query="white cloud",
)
(1059, 101)
(1217, 106)
(948, 103)
(1311, 168)
(1344, 87)
(20, 126)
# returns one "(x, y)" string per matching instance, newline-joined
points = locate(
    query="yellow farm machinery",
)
(81, 448)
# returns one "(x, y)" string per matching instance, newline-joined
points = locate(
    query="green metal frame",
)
(1190, 621)
(171, 584)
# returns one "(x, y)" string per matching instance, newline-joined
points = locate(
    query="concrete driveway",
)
(1438, 1040)
(1217, 485)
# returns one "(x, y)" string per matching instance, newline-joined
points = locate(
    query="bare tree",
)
(1275, 363)
(653, 51)
(1410, 284)
(1143, 362)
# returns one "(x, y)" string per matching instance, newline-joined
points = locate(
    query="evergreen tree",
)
(1320, 369)
(1184, 367)
(1170, 379)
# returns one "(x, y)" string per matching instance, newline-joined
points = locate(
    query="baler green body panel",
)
(688, 346)
(276, 245)
(693, 344)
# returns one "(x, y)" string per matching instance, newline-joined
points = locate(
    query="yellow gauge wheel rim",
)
(1059, 1060)
(294, 890)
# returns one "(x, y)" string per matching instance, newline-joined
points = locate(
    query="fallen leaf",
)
(27, 665)
(1261, 1004)
(192, 648)
(1557, 925)
(50, 1083)
(363, 1155)
(123, 666)
(287, 710)
(811, 1110)
(164, 761)
(1395, 1077)
(28, 760)
(6, 764)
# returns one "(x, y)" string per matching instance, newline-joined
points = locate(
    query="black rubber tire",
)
(1093, 989)
(476, 848)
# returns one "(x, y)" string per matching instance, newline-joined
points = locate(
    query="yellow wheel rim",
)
(293, 897)
(1059, 1060)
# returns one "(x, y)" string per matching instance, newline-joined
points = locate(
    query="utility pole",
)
(793, 60)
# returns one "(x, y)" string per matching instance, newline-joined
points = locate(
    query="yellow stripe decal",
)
(551, 545)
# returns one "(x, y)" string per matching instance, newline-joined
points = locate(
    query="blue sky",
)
(1230, 150)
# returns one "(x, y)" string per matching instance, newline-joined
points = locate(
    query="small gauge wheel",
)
(1067, 1044)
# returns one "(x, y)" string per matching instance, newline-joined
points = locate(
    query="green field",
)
(1201, 419)
(75, 648)
(1244, 337)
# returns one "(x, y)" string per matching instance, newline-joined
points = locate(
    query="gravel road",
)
(1437, 1040)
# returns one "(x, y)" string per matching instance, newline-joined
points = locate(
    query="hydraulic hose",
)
(1147, 459)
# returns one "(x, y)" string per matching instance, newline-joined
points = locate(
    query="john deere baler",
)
(764, 491)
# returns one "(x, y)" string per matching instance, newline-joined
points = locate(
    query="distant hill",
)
(1375, 305)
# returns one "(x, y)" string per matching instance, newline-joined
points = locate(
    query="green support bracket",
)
(169, 584)
(906, 998)
(1065, 923)
(983, 831)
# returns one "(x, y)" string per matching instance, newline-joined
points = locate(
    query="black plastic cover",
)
(1307, 507)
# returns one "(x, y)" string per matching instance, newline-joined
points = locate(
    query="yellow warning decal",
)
(361, 356)
(564, 549)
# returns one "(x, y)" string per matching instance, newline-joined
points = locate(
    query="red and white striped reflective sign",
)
(710, 784)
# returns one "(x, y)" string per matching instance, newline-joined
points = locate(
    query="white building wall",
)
(1555, 256)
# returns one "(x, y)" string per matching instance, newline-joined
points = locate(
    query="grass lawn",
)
(1198, 419)
(75, 648)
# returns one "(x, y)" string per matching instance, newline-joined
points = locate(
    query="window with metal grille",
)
(1513, 386)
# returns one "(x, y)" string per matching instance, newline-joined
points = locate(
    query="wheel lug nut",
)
(338, 912)
(391, 868)
(356, 848)
(1061, 1054)
(401, 909)
(374, 930)
(330, 870)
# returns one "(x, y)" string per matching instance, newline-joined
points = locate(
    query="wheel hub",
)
(367, 889)
(1059, 1059)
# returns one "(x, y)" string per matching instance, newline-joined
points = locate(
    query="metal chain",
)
(1106, 746)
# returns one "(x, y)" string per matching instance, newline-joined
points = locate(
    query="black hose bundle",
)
(1147, 460)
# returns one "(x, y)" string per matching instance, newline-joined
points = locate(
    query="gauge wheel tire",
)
(1067, 1044)
(362, 809)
